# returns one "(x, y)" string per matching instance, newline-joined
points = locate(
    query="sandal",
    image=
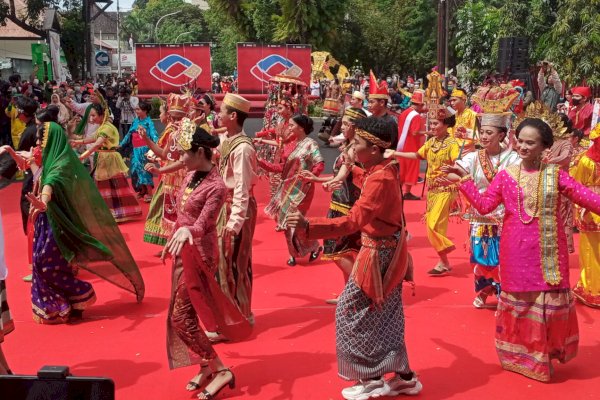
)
(204, 374)
(206, 395)
(439, 270)
(291, 262)
(315, 254)
(216, 337)
(478, 302)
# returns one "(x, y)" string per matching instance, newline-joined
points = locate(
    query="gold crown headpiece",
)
(186, 133)
(540, 111)
(495, 99)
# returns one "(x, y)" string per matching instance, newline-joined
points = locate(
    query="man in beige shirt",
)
(237, 221)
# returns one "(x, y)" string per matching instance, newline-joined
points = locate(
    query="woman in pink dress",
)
(536, 319)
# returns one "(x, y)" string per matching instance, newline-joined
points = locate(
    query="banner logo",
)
(272, 65)
(175, 70)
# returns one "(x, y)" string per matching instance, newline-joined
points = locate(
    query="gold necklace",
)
(435, 147)
(535, 196)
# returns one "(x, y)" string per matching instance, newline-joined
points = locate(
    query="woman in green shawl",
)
(72, 225)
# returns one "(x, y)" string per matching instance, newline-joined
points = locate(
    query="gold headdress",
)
(495, 102)
(540, 111)
(186, 133)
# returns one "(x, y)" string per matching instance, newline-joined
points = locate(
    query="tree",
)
(29, 18)
(477, 32)
(314, 22)
(72, 30)
(575, 41)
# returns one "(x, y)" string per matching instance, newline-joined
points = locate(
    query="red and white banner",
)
(257, 63)
(165, 68)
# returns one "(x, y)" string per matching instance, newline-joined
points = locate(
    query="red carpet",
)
(291, 354)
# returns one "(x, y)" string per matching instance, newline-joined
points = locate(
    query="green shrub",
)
(155, 112)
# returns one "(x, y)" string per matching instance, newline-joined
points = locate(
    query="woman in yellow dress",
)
(586, 170)
(110, 172)
(439, 150)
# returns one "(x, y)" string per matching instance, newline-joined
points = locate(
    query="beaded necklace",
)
(194, 182)
(485, 161)
(535, 195)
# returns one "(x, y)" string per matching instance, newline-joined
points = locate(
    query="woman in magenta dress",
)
(536, 319)
(193, 246)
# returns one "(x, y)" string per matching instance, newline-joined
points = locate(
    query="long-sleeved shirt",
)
(520, 245)
(199, 210)
(239, 175)
(377, 212)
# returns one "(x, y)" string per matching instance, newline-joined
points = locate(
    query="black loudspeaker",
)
(55, 383)
(513, 55)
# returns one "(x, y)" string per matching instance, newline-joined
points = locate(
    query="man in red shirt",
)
(410, 129)
(581, 110)
(369, 313)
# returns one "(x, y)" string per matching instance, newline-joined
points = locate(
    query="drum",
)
(331, 107)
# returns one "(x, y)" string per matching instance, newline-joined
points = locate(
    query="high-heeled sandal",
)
(209, 396)
(315, 254)
(291, 262)
(204, 373)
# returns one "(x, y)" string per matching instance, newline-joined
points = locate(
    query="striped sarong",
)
(532, 328)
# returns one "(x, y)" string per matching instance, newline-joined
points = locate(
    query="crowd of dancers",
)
(529, 178)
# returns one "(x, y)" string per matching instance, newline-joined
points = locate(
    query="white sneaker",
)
(365, 389)
(397, 386)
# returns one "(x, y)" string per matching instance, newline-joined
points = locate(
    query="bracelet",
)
(465, 178)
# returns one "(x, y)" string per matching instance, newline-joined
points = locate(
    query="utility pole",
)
(88, 45)
(118, 42)
(441, 36)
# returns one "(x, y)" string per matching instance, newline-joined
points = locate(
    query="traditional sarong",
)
(370, 338)
(587, 289)
(153, 232)
(187, 343)
(485, 256)
(55, 291)
(439, 203)
(235, 265)
(342, 201)
(119, 198)
(532, 328)
(6, 322)
(300, 245)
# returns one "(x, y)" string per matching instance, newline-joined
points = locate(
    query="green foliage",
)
(390, 36)
(71, 43)
(141, 23)
(156, 102)
(314, 22)
(575, 41)
(477, 32)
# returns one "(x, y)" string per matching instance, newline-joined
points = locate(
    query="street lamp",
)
(160, 19)
(181, 34)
